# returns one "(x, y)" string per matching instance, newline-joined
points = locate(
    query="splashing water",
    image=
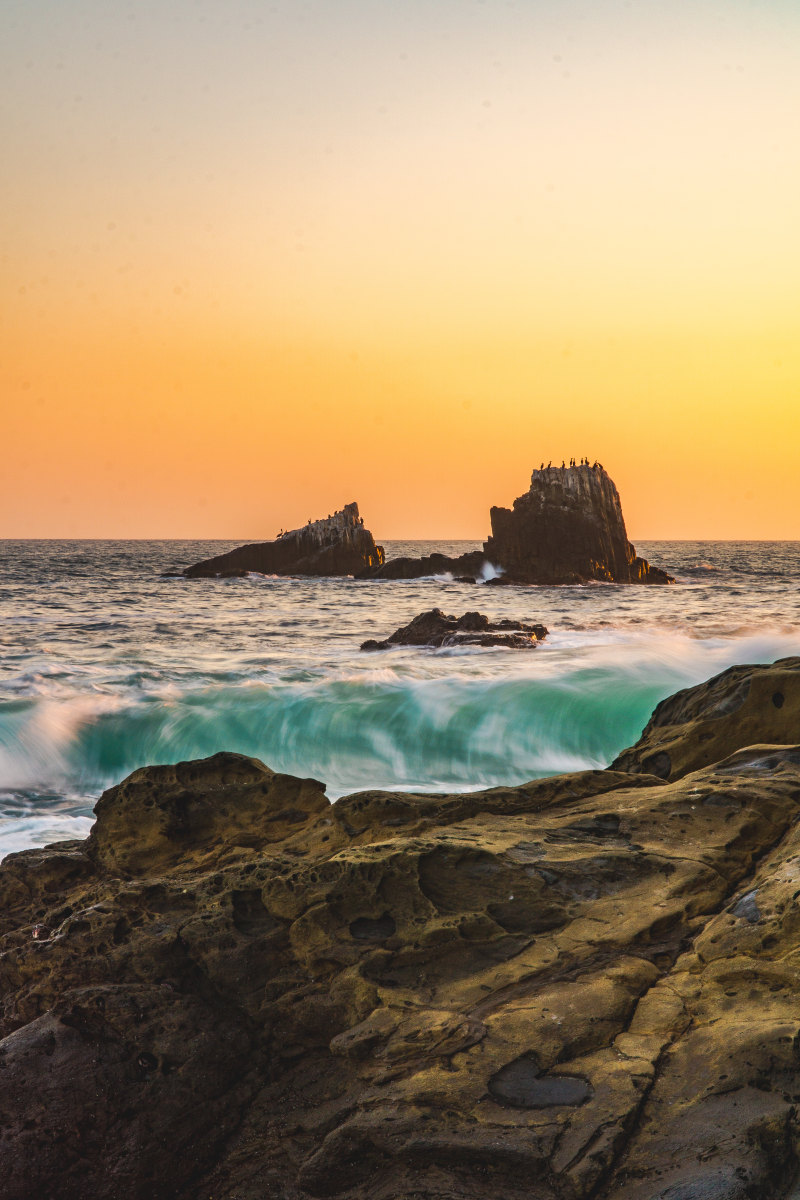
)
(110, 664)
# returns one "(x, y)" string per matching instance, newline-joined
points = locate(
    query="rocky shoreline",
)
(581, 988)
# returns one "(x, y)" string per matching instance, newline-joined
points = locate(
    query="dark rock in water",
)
(567, 528)
(703, 724)
(466, 567)
(435, 628)
(580, 988)
(336, 545)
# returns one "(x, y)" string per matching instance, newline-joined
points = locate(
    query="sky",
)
(258, 260)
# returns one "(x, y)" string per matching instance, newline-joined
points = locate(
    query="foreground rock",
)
(335, 545)
(702, 724)
(567, 528)
(436, 629)
(583, 988)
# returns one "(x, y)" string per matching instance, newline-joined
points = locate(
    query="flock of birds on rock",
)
(572, 462)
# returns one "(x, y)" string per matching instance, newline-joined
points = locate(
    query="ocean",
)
(110, 660)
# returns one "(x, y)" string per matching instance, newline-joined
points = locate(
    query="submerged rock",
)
(335, 545)
(580, 988)
(567, 528)
(435, 628)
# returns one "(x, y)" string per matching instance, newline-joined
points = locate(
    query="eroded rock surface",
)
(335, 545)
(582, 988)
(567, 528)
(703, 724)
(435, 628)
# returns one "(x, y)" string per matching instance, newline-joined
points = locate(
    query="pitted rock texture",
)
(435, 629)
(581, 988)
(335, 545)
(567, 528)
(702, 724)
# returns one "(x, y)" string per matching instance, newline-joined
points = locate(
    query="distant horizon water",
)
(110, 660)
(395, 541)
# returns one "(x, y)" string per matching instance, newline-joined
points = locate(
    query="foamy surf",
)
(161, 671)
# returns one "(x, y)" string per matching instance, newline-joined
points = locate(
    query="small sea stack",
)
(435, 629)
(567, 528)
(334, 545)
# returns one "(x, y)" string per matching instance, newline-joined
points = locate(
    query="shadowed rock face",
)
(435, 628)
(567, 528)
(465, 568)
(582, 988)
(337, 545)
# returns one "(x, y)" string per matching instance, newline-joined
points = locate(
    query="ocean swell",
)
(564, 711)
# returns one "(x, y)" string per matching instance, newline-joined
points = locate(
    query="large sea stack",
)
(567, 528)
(580, 988)
(335, 545)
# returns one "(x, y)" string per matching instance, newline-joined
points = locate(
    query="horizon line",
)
(379, 540)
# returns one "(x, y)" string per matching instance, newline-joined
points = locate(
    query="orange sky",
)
(260, 262)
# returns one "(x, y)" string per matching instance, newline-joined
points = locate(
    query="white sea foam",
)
(25, 833)
(271, 667)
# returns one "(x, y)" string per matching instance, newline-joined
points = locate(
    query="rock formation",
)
(465, 568)
(435, 628)
(703, 724)
(567, 528)
(336, 545)
(581, 988)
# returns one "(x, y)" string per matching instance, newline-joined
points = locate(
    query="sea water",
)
(110, 660)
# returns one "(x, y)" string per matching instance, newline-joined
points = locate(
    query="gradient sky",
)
(260, 259)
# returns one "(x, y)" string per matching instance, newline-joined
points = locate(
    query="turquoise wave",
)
(436, 734)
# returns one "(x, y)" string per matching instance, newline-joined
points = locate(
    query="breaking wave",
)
(556, 711)
(111, 665)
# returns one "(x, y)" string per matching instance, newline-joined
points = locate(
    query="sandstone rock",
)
(568, 528)
(159, 815)
(435, 628)
(336, 545)
(582, 988)
(702, 724)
